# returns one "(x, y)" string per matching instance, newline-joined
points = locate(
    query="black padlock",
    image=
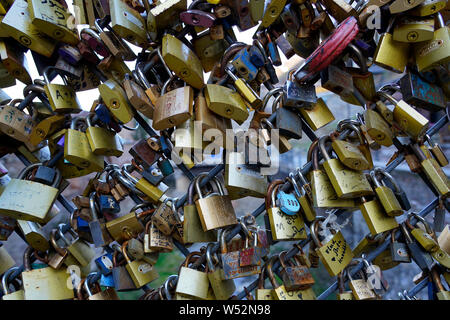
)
(45, 175)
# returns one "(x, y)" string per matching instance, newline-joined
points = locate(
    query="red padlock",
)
(328, 50)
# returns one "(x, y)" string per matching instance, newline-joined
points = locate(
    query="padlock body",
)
(375, 217)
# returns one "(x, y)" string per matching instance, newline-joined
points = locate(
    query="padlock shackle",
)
(437, 279)
(405, 232)
(323, 149)
(209, 259)
(5, 278)
(61, 226)
(352, 127)
(92, 33)
(387, 96)
(277, 103)
(440, 20)
(269, 94)
(362, 62)
(421, 219)
(269, 271)
(93, 205)
(261, 277)
(291, 180)
(168, 282)
(378, 170)
(314, 229)
(61, 251)
(55, 69)
(86, 283)
(27, 258)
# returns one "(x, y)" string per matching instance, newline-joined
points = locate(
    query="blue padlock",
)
(107, 280)
(105, 263)
(108, 205)
(288, 203)
(256, 57)
(243, 65)
(102, 113)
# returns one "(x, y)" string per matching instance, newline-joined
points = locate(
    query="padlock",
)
(140, 271)
(420, 93)
(128, 24)
(390, 54)
(422, 258)
(142, 187)
(245, 90)
(408, 119)
(433, 172)
(44, 283)
(125, 227)
(222, 289)
(349, 154)
(215, 211)
(122, 279)
(399, 250)
(15, 62)
(346, 182)
(377, 128)
(6, 260)
(17, 23)
(137, 96)
(155, 241)
(401, 6)
(436, 151)
(116, 45)
(295, 276)
(434, 52)
(192, 227)
(192, 283)
(299, 96)
(7, 294)
(59, 256)
(39, 198)
(271, 13)
(144, 154)
(283, 227)
(427, 8)
(230, 260)
(427, 238)
(279, 291)
(360, 288)
(262, 293)
(385, 194)
(342, 294)
(173, 108)
(77, 149)
(376, 219)
(338, 81)
(77, 248)
(97, 226)
(250, 255)
(323, 193)
(226, 102)
(271, 134)
(102, 140)
(242, 62)
(108, 294)
(114, 98)
(287, 122)
(164, 15)
(62, 98)
(53, 20)
(34, 235)
(165, 217)
(290, 17)
(182, 61)
(336, 254)
(410, 29)
(16, 123)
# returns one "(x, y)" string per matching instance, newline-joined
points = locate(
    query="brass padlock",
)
(103, 142)
(283, 227)
(385, 194)
(376, 218)
(215, 210)
(17, 23)
(336, 254)
(346, 182)
(192, 226)
(52, 19)
(78, 248)
(140, 271)
(182, 61)
(226, 102)
(62, 98)
(128, 23)
(125, 227)
(29, 200)
(303, 195)
(7, 294)
(323, 193)
(173, 108)
(192, 283)
(377, 128)
(114, 98)
(77, 149)
(317, 115)
(44, 283)
(16, 123)
(222, 289)
(15, 62)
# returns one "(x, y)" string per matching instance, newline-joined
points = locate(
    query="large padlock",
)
(128, 23)
(17, 23)
(52, 19)
(226, 102)
(44, 283)
(114, 98)
(29, 200)
(192, 283)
